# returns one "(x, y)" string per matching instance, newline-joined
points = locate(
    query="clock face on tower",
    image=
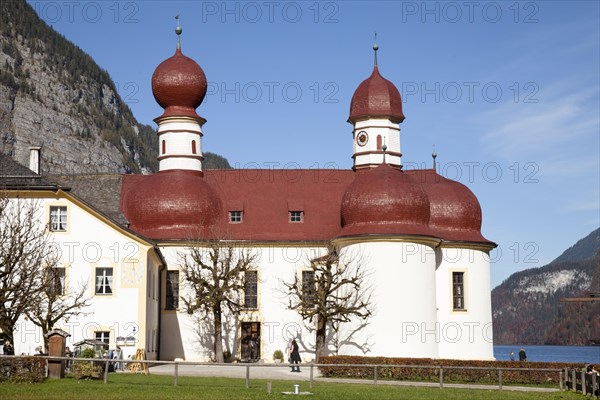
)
(362, 138)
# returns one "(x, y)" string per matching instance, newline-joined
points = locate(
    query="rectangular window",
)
(458, 291)
(251, 289)
(57, 280)
(296, 216)
(308, 287)
(104, 280)
(58, 219)
(172, 293)
(103, 336)
(235, 217)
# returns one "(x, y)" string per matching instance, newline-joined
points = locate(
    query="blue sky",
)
(507, 91)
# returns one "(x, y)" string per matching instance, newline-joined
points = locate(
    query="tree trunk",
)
(45, 331)
(8, 334)
(218, 334)
(320, 338)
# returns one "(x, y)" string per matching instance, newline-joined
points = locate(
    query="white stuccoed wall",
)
(403, 276)
(466, 334)
(88, 243)
(390, 134)
(178, 135)
(275, 264)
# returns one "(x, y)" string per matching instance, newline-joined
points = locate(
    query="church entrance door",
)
(250, 351)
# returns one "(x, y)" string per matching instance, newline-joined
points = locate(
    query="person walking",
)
(295, 356)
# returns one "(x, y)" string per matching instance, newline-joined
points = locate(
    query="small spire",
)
(434, 156)
(375, 48)
(178, 31)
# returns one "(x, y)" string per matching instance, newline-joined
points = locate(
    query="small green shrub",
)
(86, 369)
(88, 353)
(278, 355)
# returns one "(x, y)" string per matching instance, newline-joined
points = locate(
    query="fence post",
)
(574, 380)
(106, 371)
(375, 375)
(560, 379)
(583, 388)
(595, 388)
(247, 377)
(311, 374)
(441, 377)
(176, 377)
(499, 379)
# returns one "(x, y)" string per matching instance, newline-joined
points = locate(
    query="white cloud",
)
(539, 131)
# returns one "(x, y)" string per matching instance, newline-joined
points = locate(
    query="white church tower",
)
(179, 86)
(376, 112)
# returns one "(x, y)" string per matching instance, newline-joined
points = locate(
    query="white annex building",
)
(418, 233)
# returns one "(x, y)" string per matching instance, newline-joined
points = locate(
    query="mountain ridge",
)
(53, 95)
(527, 307)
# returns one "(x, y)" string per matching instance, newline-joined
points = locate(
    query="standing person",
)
(295, 356)
(68, 353)
(512, 356)
(8, 349)
(522, 355)
(288, 351)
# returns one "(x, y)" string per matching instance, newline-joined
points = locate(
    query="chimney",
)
(34, 159)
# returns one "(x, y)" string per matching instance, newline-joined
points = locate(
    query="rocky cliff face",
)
(527, 307)
(54, 96)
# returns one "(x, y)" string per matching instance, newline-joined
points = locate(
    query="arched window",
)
(379, 145)
(193, 147)
(164, 147)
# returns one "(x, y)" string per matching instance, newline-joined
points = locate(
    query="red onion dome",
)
(179, 86)
(174, 204)
(455, 213)
(376, 97)
(384, 200)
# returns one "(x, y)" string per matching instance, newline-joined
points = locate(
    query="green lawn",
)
(132, 387)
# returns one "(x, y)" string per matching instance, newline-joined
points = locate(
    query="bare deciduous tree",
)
(57, 302)
(214, 273)
(26, 250)
(336, 292)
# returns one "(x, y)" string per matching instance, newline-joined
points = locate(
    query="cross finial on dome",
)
(178, 31)
(434, 156)
(375, 48)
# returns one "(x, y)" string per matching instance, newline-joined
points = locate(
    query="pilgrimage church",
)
(417, 233)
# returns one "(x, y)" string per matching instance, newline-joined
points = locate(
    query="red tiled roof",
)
(171, 206)
(179, 86)
(385, 200)
(268, 196)
(376, 97)
(455, 213)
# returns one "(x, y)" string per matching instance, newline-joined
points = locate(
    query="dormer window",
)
(296, 216)
(235, 217)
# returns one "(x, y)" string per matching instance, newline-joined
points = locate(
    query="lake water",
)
(577, 354)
